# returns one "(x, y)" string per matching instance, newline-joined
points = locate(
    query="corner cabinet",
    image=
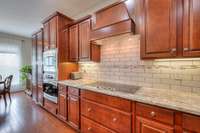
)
(191, 28)
(158, 28)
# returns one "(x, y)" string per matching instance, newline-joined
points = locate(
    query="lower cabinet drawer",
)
(50, 106)
(155, 113)
(89, 126)
(114, 119)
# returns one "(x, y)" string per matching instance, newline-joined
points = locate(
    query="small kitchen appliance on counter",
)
(75, 75)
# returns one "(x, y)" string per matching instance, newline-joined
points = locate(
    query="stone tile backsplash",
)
(121, 63)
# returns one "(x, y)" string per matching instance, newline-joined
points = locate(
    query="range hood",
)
(111, 21)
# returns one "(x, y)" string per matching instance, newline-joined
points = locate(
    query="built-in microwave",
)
(50, 60)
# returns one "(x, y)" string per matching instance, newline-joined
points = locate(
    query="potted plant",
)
(26, 72)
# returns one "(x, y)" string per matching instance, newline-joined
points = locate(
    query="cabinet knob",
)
(173, 50)
(89, 109)
(185, 49)
(153, 114)
(114, 119)
(89, 129)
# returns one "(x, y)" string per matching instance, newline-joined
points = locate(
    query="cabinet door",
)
(73, 43)
(147, 126)
(62, 108)
(158, 28)
(34, 67)
(73, 111)
(40, 57)
(40, 95)
(84, 40)
(53, 32)
(191, 28)
(46, 36)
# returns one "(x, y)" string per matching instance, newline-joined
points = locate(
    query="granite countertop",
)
(171, 99)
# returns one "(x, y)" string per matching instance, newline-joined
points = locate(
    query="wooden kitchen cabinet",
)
(34, 67)
(88, 126)
(37, 67)
(80, 46)
(40, 48)
(110, 15)
(62, 102)
(73, 107)
(84, 40)
(112, 114)
(73, 43)
(53, 32)
(148, 126)
(46, 36)
(191, 28)
(158, 28)
(190, 123)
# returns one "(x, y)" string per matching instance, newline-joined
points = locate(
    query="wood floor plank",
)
(23, 116)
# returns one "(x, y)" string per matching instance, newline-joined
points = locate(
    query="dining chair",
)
(6, 88)
(1, 78)
(7, 85)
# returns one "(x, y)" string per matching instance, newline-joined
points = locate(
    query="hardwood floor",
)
(23, 116)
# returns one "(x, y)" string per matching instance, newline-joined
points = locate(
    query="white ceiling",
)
(23, 17)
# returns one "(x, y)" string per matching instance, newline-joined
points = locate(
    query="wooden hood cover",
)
(112, 20)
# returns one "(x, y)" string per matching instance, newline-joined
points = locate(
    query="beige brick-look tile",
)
(121, 63)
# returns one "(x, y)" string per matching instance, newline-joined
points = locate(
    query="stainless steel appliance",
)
(51, 92)
(50, 75)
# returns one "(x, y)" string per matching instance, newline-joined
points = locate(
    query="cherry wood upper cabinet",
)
(73, 43)
(191, 28)
(158, 28)
(46, 36)
(53, 32)
(84, 40)
(147, 126)
(110, 15)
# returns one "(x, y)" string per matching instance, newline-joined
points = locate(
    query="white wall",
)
(25, 45)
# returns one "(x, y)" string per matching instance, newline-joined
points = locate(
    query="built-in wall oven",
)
(50, 75)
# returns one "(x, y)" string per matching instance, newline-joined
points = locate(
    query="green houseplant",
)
(26, 72)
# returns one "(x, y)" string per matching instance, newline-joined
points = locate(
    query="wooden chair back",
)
(7, 83)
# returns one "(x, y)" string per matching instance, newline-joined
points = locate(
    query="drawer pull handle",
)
(186, 49)
(153, 114)
(114, 119)
(185, 132)
(89, 129)
(89, 109)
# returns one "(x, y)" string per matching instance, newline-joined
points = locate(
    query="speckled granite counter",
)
(176, 100)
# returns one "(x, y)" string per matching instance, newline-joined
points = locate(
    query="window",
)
(10, 60)
(10, 65)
